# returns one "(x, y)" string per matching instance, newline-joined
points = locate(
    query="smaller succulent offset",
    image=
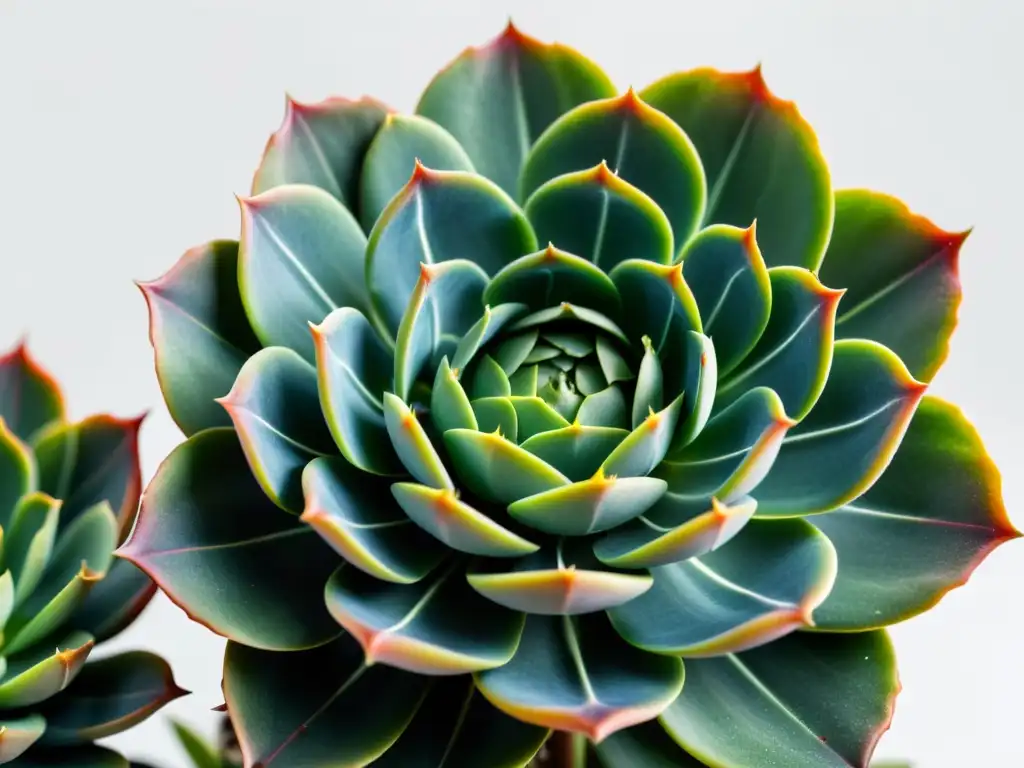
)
(69, 495)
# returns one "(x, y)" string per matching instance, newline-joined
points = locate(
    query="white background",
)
(128, 126)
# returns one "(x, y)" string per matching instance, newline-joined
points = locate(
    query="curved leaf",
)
(30, 398)
(28, 541)
(200, 753)
(762, 586)
(413, 446)
(85, 756)
(809, 700)
(205, 534)
(605, 409)
(16, 736)
(577, 451)
(17, 473)
(199, 333)
(921, 529)
(643, 449)
(498, 470)
(44, 671)
(847, 441)
(901, 275)
(491, 321)
(489, 380)
(699, 384)
(300, 258)
(638, 143)
(449, 404)
(498, 98)
(437, 626)
(570, 312)
(575, 674)
(646, 744)
(115, 602)
(761, 158)
(552, 276)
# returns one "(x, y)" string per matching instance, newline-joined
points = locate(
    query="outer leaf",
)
(762, 586)
(598, 215)
(29, 396)
(498, 470)
(848, 440)
(575, 674)
(900, 271)
(276, 411)
(115, 602)
(199, 333)
(413, 444)
(921, 529)
(761, 158)
(808, 700)
(438, 626)
(322, 144)
(16, 736)
(214, 565)
(497, 99)
(43, 672)
(348, 713)
(301, 257)
(439, 215)
(549, 278)
(17, 473)
(639, 143)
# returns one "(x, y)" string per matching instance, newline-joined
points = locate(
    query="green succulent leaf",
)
(450, 407)
(762, 586)
(638, 143)
(489, 380)
(726, 273)
(534, 416)
(605, 409)
(353, 373)
(570, 312)
(438, 626)
(200, 753)
(276, 412)
(574, 673)
(29, 397)
(300, 258)
(649, 395)
(486, 328)
(847, 441)
(699, 383)
(597, 214)
(44, 671)
(437, 216)
(412, 444)
(794, 353)
(200, 333)
(214, 565)
(356, 514)
(499, 98)
(647, 744)
(576, 451)
(348, 715)
(400, 145)
(643, 449)
(17, 735)
(900, 272)
(322, 144)
(108, 697)
(85, 756)
(921, 529)
(550, 277)
(809, 700)
(17, 474)
(497, 469)
(761, 158)
(115, 602)
(28, 541)
(456, 727)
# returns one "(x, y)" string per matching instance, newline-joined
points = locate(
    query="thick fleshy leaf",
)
(725, 270)
(761, 158)
(90, 462)
(28, 541)
(613, 365)
(499, 470)
(675, 529)
(322, 144)
(489, 380)
(449, 404)
(457, 524)
(444, 305)
(649, 395)
(589, 506)
(29, 397)
(762, 586)
(355, 514)
(44, 671)
(348, 713)
(794, 353)
(456, 727)
(921, 529)
(552, 276)
(16, 736)
(847, 441)
(400, 144)
(901, 275)
(570, 312)
(300, 258)
(115, 602)
(275, 408)
(699, 384)
(199, 332)
(646, 745)
(576, 451)
(353, 372)
(600, 216)
(84, 756)
(605, 408)
(201, 753)
(561, 580)
(412, 444)
(108, 697)
(513, 352)
(439, 215)
(497, 414)
(643, 449)
(499, 98)
(808, 700)
(17, 473)
(574, 673)
(534, 416)
(438, 626)
(214, 566)
(638, 143)
(491, 321)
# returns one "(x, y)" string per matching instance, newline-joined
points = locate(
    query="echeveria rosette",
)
(69, 493)
(500, 411)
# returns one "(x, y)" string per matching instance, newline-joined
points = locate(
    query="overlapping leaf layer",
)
(500, 411)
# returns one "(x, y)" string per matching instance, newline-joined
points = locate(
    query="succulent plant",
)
(69, 493)
(501, 412)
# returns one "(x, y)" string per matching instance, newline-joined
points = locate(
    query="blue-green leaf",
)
(552, 276)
